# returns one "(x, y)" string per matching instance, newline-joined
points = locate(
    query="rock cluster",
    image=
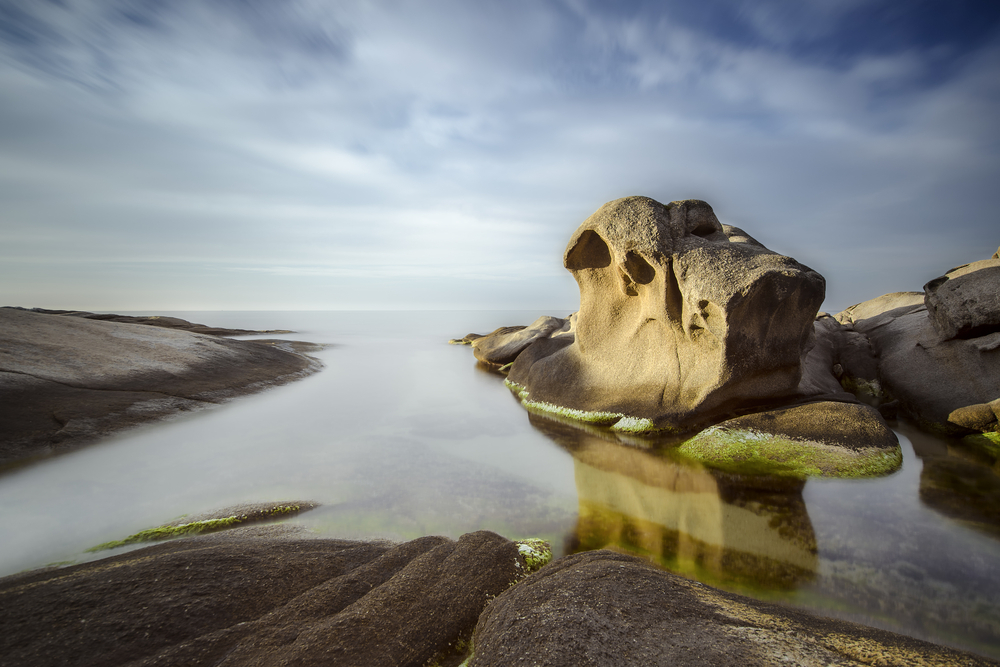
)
(686, 323)
(937, 351)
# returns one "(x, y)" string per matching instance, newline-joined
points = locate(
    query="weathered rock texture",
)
(502, 346)
(67, 380)
(939, 355)
(682, 319)
(231, 600)
(604, 608)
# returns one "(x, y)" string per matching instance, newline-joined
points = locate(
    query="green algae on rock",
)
(987, 443)
(749, 451)
(172, 530)
(536, 553)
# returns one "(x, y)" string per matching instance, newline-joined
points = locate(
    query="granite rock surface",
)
(68, 380)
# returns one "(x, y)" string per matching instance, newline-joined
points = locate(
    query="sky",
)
(310, 154)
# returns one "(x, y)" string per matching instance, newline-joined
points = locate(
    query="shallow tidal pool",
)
(403, 435)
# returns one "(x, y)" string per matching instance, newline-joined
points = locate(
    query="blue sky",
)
(240, 155)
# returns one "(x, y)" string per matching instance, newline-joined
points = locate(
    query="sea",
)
(402, 435)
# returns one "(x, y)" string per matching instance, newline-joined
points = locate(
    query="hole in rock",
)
(590, 252)
(638, 269)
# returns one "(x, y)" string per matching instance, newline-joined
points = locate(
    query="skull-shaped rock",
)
(682, 320)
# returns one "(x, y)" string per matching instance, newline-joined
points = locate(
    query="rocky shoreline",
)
(68, 378)
(258, 593)
(269, 595)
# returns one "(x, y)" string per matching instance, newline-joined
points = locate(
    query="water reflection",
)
(958, 482)
(702, 523)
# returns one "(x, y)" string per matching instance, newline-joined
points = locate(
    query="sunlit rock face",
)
(682, 319)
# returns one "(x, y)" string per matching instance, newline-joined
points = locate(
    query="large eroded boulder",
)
(685, 323)
(681, 320)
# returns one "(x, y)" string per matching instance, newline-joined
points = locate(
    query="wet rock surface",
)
(606, 608)
(234, 599)
(68, 380)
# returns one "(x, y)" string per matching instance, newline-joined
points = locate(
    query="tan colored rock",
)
(965, 302)
(882, 304)
(682, 319)
(980, 417)
(503, 345)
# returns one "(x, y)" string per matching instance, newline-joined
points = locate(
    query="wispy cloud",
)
(413, 141)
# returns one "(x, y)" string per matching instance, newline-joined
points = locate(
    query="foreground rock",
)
(229, 599)
(939, 351)
(604, 608)
(67, 380)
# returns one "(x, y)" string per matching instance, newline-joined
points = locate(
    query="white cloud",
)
(402, 139)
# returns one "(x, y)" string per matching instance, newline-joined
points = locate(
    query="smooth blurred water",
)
(402, 435)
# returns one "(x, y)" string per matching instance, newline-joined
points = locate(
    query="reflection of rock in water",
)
(687, 519)
(962, 490)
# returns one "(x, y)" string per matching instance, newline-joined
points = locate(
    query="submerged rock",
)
(698, 522)
(605, 608)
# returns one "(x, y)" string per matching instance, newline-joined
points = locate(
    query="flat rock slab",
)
(67, 380)
(155, 321)
(603, 608)
(228, 599)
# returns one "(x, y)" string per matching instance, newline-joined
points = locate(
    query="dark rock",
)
(604, 608)
(68, 380)
(965, 302)
(231, 600)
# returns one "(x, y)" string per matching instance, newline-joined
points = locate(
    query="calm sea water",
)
(403, 435)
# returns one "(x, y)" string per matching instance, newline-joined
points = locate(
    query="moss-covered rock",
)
(752, 452)
(226, 519)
